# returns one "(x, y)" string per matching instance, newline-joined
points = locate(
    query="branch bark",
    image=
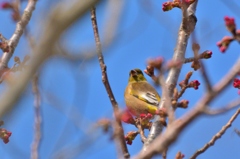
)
(118, 125)
(217, 136)
(186, 28)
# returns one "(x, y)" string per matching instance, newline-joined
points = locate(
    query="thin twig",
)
(140, 130)
(198, 57)
(184, 84)
(183, 89)
(38, 119)
(223, 109)
(217, 136)
(37, 103)
(187, 26)
(205, 77)
(118, 125)
(203, 71)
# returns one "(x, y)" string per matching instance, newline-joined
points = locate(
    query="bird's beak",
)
(134, 73)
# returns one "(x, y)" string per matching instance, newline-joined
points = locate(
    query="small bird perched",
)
(140, 96)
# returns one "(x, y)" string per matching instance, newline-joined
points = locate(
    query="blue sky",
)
(74, 98)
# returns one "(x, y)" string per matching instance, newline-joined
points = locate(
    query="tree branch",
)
(118, 125)
(141, 131)
(224, 109)
(186, 27)
(21, 25)
(217, 136)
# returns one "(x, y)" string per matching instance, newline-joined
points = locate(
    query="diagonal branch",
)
(217, 136)
(224, 109)
(118, 125)
(186, 28)
(21, 25)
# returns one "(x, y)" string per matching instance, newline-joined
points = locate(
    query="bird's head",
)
(136, 75)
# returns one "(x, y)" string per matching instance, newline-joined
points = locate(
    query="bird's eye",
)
(139, 71)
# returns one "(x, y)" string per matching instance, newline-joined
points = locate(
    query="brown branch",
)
(140, 130)
(38, 120)
(187, 26)
(224, 109)
(173, 131)
(118, 125)
(217, 136)
(60, 17)
(184, 84)
(205, 55)
(21, 25)
(183, 89)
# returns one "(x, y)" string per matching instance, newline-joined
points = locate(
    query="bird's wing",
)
(145, 92)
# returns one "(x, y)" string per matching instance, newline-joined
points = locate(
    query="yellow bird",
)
(140, 96)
